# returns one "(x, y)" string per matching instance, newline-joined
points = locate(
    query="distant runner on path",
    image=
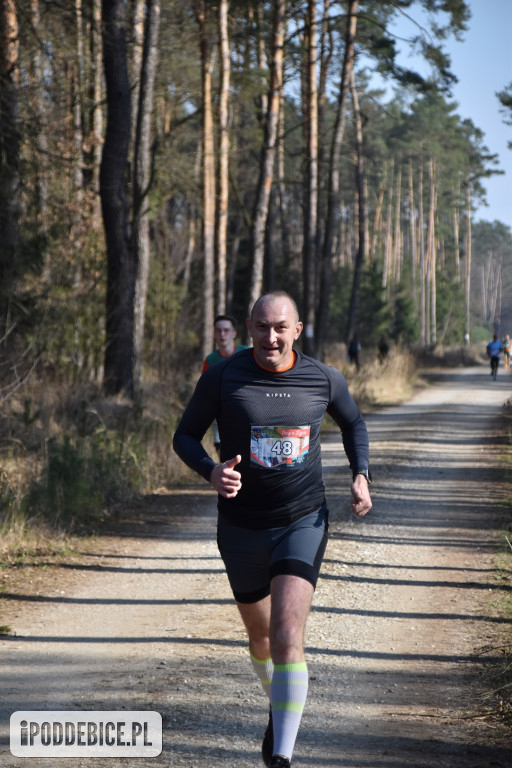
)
(269, 403)
(494, 352)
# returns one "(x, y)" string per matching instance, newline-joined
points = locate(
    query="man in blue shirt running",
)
(494, 351)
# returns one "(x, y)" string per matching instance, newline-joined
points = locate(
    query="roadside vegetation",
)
(499, 697)
(72, 460)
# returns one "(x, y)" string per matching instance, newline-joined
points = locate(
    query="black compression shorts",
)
(253, 558)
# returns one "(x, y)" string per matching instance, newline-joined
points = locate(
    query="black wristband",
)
(366, 473)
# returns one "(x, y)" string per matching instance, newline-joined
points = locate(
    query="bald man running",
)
(269, 402)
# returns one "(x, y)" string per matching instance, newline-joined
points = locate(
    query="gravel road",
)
(404, 620)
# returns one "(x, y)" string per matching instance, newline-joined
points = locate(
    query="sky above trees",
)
(482, 62)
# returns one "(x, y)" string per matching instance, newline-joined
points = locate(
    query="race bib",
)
(279, 447)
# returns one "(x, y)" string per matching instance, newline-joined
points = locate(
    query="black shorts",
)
(253, 558)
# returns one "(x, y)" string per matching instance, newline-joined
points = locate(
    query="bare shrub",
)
(379, 382)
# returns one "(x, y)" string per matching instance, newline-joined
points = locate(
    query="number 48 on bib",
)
(279, 447)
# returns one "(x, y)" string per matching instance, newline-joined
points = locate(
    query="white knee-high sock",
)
(289, 690)
(264, 668)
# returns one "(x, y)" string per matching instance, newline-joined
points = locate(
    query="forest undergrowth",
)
(71, 459)
(500, 676)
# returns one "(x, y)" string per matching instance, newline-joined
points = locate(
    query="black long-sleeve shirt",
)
(267, 418)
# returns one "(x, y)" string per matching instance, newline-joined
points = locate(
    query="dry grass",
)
(440, 356)
(498, 675)
(41, 415)
(378, 383)
(133, 441)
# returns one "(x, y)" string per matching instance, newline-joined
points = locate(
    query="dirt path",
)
(405, 606)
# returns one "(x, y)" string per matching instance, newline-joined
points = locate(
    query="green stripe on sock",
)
(287, 706)
(299, 666)
(264, 669)
(288, 696)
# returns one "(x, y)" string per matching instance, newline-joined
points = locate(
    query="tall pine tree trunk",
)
(283, 196)
(431, 246)
(467, 273)
(78, 140)
(135, 64)
(120, 263)
(397, 234)
(334, 177)
(326, 54)
(10, 156)
(41, 139)
(97, 110)
(208, 154)
(412, 229)
(423, 276)
(268, 153)
(223, 158)
(141, 180)
(388, 233)
(311, 181)
(456, 235)
(361, 207)
(261, 56)
(377, 217)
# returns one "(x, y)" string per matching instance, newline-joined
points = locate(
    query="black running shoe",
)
(267, 746)
(278, 761)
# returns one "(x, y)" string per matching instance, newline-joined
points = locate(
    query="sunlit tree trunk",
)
(223, 158)
(491, 288)
(361, 251)
(208, 154)
(423, 310)
(311, 181)
(341, 247)
(456, 236)
(397, 235)
(97, 110)
(326, 54)
(78, 229)
(261, 54)
(135, 64)
(268, 153)
(412, 229)
(334, 175)
(191, 246)
(483, 303)
(282, 193)
(467, 273)
(497, 303)
(432, 254)
(366, 217)
(142, 178)
(78, 138)
(377, 217)
(192, 218)
(388, 230)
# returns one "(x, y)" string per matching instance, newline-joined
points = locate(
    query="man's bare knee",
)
(287, 644)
